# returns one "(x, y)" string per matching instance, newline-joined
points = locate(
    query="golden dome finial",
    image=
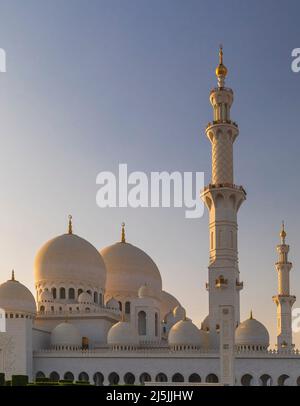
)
(70, 228)
(12, 275)
(123, 239)
(221, 70)
(282, 233)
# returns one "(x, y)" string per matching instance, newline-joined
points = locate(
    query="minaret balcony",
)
(218, 89)
(221, 282)
(215, 122)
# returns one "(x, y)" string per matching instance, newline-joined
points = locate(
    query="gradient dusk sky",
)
(93, 84)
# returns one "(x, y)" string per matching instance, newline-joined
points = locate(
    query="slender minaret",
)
(284, 301)
(223, 199)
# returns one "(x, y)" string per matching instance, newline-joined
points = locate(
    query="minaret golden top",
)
(282, 233)
(221, 69)
(70, 228)
(123, 239)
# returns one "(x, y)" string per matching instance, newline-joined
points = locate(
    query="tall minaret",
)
(284, 301)
(223, 199)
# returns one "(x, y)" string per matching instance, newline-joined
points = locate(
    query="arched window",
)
(42, 308)
(39, 374)
(145, 377)
(79, 291)
(282, 380)
(83, 377)
(156, 325)
(54, 376)
(120, 306)
(246, 380)
(62, 293)
(142, 323)
(53, 290)
(98, 379)
(95, 297)
(194, 378)
(113, 378)
(127, 307)
(69, 376)
(161, 377)
(212, 378)
(129, 378)
(265, 380)
(71, 293)
(89, 292)
(177, 377)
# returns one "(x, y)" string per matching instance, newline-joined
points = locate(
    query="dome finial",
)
(12, 275)
(123, 239)
(221, 70)
(251, 315)
(282, 233)
(70, 229)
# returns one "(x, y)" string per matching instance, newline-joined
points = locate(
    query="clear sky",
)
(92, 84)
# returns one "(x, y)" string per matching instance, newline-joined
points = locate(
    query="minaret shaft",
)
(223, 200)
(284, 300)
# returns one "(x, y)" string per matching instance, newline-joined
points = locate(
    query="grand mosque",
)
(102, 315)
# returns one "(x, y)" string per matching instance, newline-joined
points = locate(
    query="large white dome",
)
(128, 268)
(15, 297)
(66, 334)
(252, 333)
(122, 333)
(69, 258)
(185, 333)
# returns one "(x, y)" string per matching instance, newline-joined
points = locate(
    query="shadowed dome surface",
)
(66, 334)
(168, 303)
(128, 268)
(16, 297)
(69, 258)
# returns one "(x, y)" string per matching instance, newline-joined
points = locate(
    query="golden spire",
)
(251, 315)
(70, 229)
(282, 233)
(12, 275)
(123, 239)
(221, 70)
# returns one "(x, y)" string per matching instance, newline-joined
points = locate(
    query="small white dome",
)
(145, 291)
(179, 312)
(252, 333)
(85, 298)
(66, 334)
(184, 332)
(15, 297)
(46, 296)
(167, 303)
(112, 304)
(122, 333)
